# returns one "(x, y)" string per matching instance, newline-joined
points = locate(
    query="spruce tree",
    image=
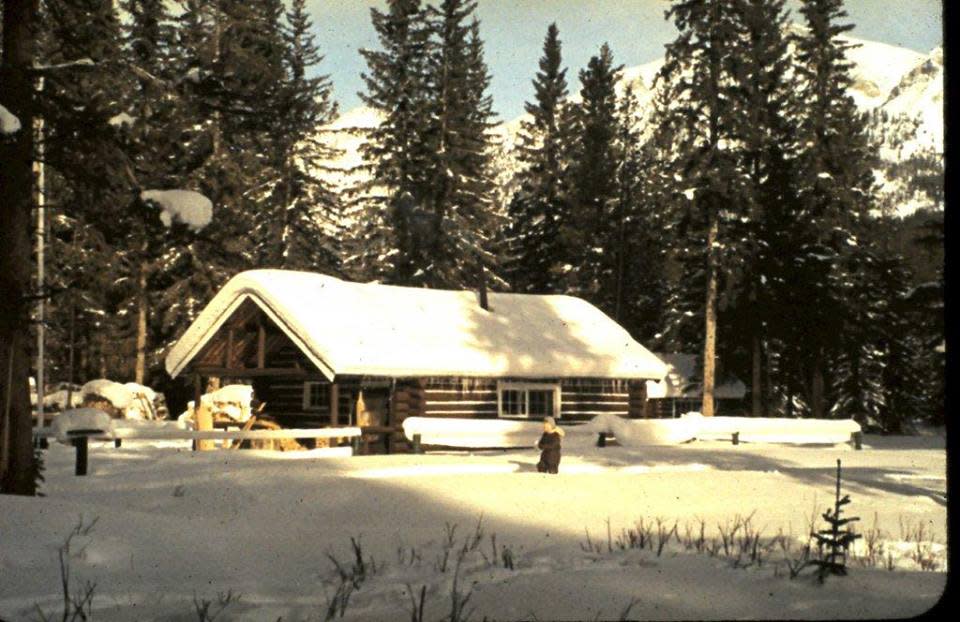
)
(540, 206)
(699, 114)
(459, 182)
(298, 221)
(396, 87)
(835, 180)
(765, 120)
(592, 178)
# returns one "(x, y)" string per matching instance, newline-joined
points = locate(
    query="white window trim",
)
(526, 387)
(307, 407)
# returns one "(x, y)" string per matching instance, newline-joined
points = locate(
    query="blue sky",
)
(513, 32)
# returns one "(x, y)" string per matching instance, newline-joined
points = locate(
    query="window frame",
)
(525, 388)
(307, 406)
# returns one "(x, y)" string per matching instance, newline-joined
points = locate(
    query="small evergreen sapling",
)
(834, 542)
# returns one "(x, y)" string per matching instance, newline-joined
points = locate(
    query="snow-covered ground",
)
(175, 527)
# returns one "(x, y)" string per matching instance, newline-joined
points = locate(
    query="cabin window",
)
(527, 400)
(316, 396)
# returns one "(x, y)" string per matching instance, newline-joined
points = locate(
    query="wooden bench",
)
(80, 439)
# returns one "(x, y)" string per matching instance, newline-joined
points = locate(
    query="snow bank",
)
(473, 432)
(186, 206)
(774, 429)
(117, 394)
(81, 419)
(640, 432)
(9, 123)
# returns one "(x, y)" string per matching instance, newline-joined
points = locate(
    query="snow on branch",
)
(70, 64)
(9, 123)
(186, 206)
(121, 119)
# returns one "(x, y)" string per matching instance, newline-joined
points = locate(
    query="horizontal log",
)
(177, 434)
(436, 396)
(566, 406)
(461, 413)
(253, 372)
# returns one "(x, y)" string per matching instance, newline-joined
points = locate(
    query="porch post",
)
(334, 404)
(201, 415)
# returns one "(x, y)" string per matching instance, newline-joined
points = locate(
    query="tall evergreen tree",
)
(458, 184)
(592, 177)
(298, 221)
(765, 120)
(699, 114)
(16, 178)
(835, 182)
(540, 206)
(396, 87)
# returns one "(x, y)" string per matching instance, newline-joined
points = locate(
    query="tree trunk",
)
(16, 184)
(140, 370)
(710, 336)
(816, 389)
(756, 387)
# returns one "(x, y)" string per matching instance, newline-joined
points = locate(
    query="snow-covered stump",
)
(75, 427)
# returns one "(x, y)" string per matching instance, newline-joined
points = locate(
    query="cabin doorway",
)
(373, 405)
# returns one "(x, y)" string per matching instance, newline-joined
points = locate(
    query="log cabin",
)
(321, 351)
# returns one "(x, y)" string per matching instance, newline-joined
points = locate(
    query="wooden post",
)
(735, 438)
(201, 415)
(857, 439)
(602, 439)
(417, 447)
(81, 443)
(228, 353)
(334, 404)
(261, 345)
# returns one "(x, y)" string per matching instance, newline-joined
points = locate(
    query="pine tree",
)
(539, 207)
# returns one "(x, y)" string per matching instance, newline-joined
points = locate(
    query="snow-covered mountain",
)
(904, 84)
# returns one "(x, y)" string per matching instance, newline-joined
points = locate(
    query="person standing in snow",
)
(549, 446)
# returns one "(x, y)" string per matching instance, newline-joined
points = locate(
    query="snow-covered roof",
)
(684, 379)
(386, 330)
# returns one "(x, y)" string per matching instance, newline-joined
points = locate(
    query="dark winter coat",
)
(550, 452)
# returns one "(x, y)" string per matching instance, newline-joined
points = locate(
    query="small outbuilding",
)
(681, 390)
(321, 351)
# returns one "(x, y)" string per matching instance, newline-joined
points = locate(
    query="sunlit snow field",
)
(174, 528)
